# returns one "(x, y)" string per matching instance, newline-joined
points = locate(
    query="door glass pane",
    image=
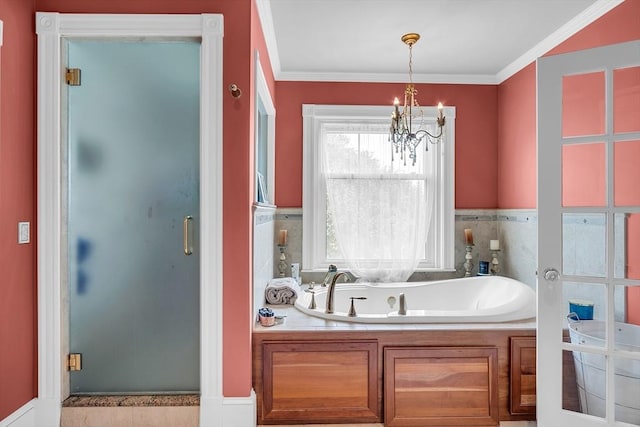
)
(626, 100)
(572, 382)
(584, 301)
(583, 383)
(630, 304)
(627, 384)
(583, 175)
(627, 306)
(133, 177)
(584, 244)
(583, 111)
(627, 173)
(627, 246)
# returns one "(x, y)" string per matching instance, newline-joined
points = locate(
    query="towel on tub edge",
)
(283, 290)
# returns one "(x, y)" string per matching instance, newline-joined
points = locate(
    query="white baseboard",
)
(236, 411)
(239, 411)
(25, 416)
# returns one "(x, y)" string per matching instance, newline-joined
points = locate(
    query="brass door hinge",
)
(72, 76)
(74, 362)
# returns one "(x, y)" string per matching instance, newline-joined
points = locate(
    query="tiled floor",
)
(172, 416)
(160, 411)
(131, 416)
(131, 411)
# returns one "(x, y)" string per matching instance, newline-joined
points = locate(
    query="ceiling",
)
(462, 41)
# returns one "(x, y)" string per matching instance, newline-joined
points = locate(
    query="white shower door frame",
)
(51, 29)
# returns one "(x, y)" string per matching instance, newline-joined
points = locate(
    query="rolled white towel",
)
(283, 290)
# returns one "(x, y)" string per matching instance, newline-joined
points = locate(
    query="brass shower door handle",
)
(186, 233)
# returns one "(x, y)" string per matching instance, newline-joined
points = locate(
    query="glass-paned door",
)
(589, 238)
(133, 213)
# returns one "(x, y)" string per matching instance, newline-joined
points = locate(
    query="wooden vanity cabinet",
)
(319, 382)
(403, 378)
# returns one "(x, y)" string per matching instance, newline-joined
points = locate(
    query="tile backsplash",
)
(516, 230)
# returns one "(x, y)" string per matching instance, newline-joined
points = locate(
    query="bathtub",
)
(467, 300)
(590, 370)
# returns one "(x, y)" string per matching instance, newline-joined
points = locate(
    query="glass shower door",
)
(133, 211)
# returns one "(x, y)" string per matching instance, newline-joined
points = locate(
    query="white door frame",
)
(51, 28)
(550, 310)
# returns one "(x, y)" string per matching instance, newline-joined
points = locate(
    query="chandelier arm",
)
(427, 133)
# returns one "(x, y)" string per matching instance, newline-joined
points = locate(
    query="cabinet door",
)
(328, 382)
(523, 375)
(441, 386)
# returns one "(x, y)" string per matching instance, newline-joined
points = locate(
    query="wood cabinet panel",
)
(320, 382)
(452, 386)
(523, 375)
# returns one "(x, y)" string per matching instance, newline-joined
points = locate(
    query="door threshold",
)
(75, 401)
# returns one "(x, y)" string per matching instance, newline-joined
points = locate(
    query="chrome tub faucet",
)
(331, 291)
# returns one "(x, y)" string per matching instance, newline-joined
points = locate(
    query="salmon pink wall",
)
(621, 24)
(17, 203)
(517, 140)
(517, 103)
(517, 113)
(259, 43)
(476, 133)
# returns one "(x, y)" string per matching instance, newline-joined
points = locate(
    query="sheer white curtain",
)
(379, 210)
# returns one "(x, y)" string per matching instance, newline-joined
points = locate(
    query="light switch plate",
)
(24, 233)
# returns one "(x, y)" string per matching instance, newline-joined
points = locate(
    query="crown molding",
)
(269, 32)
(387, 77)
(588, 16)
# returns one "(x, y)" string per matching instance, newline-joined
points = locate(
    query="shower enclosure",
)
(133, 128)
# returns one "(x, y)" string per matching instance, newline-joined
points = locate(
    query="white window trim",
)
(314, 190)
(263, 94)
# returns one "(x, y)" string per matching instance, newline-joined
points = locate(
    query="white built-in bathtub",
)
(590, 370)
(467, 300)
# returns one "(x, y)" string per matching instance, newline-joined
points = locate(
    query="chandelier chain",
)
(411, 64)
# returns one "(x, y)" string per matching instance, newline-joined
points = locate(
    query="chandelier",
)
(407, 126)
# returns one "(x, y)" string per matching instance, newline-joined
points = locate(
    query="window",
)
(354, 137)
(265, 117)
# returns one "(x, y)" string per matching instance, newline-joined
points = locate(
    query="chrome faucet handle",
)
(402, 310)
(312, 304)
(352, 308)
